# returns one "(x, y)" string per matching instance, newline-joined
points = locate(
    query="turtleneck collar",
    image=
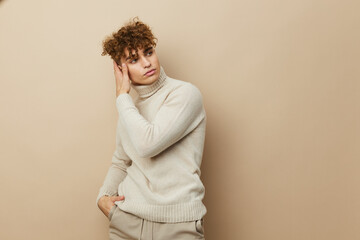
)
(148, 90)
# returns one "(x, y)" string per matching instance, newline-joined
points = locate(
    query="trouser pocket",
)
(112, 210)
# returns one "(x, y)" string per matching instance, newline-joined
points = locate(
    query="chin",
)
(153, 78)
(147, 80)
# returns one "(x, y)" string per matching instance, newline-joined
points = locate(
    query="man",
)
(153, 189)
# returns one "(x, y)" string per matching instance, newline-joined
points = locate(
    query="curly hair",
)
(133, 35)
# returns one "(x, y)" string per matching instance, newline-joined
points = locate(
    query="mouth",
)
(150, 72)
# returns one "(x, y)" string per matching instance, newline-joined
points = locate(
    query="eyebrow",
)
(146, 50)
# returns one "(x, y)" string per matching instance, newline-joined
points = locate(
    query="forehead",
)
(133, 51)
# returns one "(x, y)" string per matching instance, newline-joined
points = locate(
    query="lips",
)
(150, 72)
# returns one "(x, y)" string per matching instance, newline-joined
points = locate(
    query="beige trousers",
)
(124, 225)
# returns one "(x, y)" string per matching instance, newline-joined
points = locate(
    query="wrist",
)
(121, 92)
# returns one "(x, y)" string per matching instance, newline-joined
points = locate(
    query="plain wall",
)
(280, 82)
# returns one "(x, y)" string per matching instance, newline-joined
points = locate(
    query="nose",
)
(146, 63)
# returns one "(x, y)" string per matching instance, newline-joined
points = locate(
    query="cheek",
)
(154, 58)
(134, 74)
(157, 60)
(131, 70)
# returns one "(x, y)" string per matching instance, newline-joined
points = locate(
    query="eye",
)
(149, 53)
(134, 60)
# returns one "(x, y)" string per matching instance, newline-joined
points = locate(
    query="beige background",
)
(280, 81)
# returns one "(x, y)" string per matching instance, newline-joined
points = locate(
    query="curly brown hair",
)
(133, 35)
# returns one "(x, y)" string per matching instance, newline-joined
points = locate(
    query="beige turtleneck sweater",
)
(159, 147)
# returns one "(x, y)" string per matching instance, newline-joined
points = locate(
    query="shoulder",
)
(184, 96)
(185, 90)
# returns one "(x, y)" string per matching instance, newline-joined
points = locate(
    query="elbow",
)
(145, 155)
(145, 151)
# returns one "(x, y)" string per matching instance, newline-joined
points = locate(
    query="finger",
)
(117, 198)
(118, 75)
(125, 72)
(115, 65)
(117, 68)
(126, 78)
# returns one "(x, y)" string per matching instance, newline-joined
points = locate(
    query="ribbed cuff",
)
(124, 100)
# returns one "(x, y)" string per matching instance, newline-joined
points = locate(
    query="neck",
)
(150, 89)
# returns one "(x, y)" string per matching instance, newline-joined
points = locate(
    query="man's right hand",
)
(107, 202)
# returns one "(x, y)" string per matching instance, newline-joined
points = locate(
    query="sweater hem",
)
(182, 212)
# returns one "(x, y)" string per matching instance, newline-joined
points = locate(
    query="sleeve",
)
(180, 113)
(116, 173)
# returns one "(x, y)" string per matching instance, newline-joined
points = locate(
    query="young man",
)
(153, 189)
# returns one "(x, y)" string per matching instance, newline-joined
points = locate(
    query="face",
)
(144, 69)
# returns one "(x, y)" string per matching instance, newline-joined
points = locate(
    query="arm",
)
(116, 173)
(181, 112)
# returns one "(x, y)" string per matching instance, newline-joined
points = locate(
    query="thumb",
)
(117, 198)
